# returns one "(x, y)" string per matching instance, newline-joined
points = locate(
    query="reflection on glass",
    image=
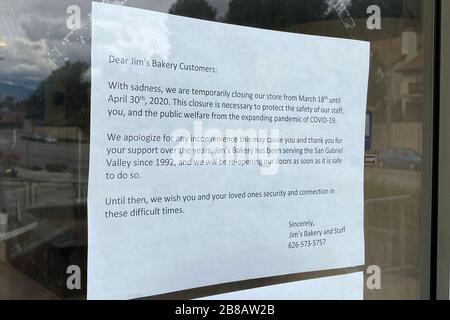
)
(44, 132)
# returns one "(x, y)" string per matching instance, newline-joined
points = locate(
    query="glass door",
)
(45, 136)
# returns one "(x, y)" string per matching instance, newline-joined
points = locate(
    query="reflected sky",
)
(30, 29)
(32, 34)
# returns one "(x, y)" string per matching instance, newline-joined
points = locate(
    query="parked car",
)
(400, 158)
(33, 137)
(50, 140)
(39, 138)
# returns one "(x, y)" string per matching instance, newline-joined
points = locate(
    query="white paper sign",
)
(220, 153)
(343, 287)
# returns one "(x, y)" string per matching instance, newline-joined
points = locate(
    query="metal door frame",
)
(443, 217)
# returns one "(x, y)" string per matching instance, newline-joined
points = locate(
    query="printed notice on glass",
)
(220, 153)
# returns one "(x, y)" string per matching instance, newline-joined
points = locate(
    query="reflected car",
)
(33, 137)
(399, 158)
(50, 140)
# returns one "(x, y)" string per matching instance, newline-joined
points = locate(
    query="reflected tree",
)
(284, 13)
(63, 98)
(274, 13)
(7, 102)
(200, 9)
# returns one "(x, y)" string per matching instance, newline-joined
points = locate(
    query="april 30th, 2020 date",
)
(307, 243)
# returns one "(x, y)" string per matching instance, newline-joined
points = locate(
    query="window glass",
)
(44, 133)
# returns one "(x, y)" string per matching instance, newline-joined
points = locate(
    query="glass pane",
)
(44, 133)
